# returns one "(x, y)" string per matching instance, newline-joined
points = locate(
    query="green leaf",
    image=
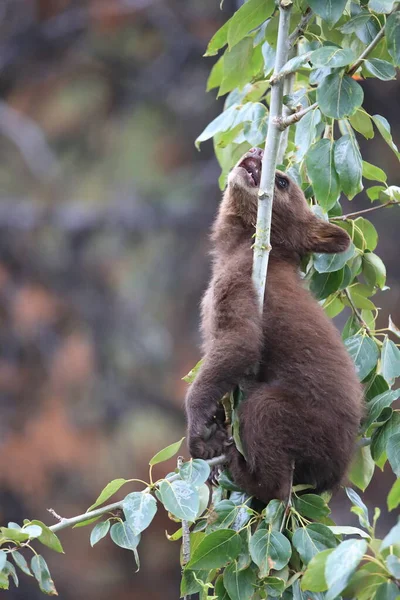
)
(214, 81)
(239, 584)
(362, 123)
(312, 539)
(393, 453)
(374, 192)
(338, 95)
(123, 536)
(368, 231)
(393, 564)
(204, 496)
(269, 55)
(294, 64)
(226, 482)
(219, 39)
(384, 128)
(393, 499)
(332, 56)
(387, 591)
(180, 499)
(393, 328)
(348, 165)
(381, 6)
(255, 131)
(341, 565)
(20, 561)
(220, 590)
(348, 530)
(364, 352)
(139, 510)
(237, 66)
(362, 24)
(392, 30)
(321, 170)
(362, 468)
(215, 550)
(251, 14)
(274, 511)
(110, 489)
(274, 587)
(359, 504)
(34, 531)
(191, 376)
(377, 404)
(358, 293)
(374, 270)
(42, 574)
(222, 515)
(269, 550)
(166, 453)
(48, 538)
(381, 436)
(372, 172)
(390, 361)
(3, 559)
(306, 131)
(16, 535)
(195, 471)
(99, 531)
(382, 69)
(323, 285)
(328, 11)
(312, 506)
(392, 538)
(327, 263)
(314, 577)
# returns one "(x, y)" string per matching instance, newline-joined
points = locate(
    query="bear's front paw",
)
(208, 441)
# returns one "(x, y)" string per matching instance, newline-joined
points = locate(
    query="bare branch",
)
(285, 122)
(262, 245)
(366, 210)
(298, 31)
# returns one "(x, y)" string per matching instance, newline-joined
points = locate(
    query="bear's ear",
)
(325, 237)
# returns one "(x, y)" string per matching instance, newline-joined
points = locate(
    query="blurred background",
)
(104, 210)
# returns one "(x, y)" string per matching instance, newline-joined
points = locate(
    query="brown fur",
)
(305, 404)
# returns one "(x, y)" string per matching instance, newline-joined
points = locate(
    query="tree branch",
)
(366, 210)
(262, 245)
(356, 312)
(64, 523)
(285, 122)
(185, 530)
(297, 32)
(369, 48)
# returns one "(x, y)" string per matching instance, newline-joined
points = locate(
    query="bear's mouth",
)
(252, 166)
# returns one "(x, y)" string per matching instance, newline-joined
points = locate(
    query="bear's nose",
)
(257, 151)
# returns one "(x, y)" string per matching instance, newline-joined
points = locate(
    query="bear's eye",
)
(282, 182)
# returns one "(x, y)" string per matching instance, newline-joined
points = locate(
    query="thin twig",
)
(356, 312)
(297, 32)
(185, 530)
(98, 512)
(262, 244)
(285, 122)
(55, 515)
(366, 210)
